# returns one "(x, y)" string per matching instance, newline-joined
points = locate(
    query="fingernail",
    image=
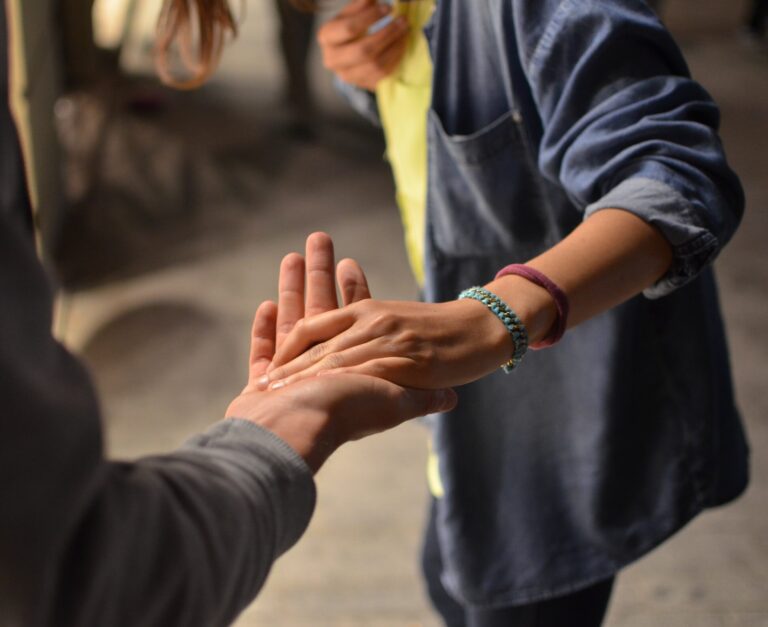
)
(277, 385)
(262, 382)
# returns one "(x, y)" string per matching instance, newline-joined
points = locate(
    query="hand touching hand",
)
(316, 416)
(423, 345)
(354, 55)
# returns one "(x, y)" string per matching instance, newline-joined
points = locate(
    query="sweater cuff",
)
(278, 465)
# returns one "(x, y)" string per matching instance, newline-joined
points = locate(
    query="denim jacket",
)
(596, 450)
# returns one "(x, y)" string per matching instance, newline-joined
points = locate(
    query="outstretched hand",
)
(317, 415)
(306, 288)
(425, 345)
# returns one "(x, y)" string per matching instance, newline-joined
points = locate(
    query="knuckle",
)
(383, 323)
(425, 354)
(289, 326)
(409, 340)
(363, 307)
(317, 352)
(378, 369)
(347, 29)
(378, 64)
(285, 328)
(333, 361)
(368, 50)
(408, 343)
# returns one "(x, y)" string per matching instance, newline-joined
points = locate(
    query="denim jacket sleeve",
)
(624, 126)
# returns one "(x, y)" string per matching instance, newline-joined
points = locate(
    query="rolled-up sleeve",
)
(624, 126)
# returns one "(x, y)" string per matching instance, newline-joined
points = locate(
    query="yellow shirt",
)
(403, 99)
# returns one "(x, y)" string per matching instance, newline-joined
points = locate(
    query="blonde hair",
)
(212, 23)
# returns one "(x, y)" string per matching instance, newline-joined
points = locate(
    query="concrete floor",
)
(165, 277)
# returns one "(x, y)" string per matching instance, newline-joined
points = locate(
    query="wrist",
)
(487, 334)
(533, 304)
(306, 429)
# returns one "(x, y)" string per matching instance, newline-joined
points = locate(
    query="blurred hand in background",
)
(364, 43)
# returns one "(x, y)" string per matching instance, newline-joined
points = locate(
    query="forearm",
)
(186, 538)
(609, 258)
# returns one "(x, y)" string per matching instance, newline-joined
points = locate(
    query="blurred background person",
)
(297, 27)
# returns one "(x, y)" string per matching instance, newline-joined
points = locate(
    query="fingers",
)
(366, 49)
(262, 340)
(321, 289)
(364, 43)
(351, 24)
(357, 359)
(290, 303)
(388, 405)
(353, 284)
(320, 297)
(309, 333)
(368, 74)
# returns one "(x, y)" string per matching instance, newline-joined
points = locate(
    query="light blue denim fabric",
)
(596, 450)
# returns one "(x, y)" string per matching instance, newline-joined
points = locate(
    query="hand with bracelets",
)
(424, 344)
(609, 258)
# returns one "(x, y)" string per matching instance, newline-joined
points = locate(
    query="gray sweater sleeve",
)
(181, 539)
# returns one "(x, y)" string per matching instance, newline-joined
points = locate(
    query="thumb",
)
(422, 402)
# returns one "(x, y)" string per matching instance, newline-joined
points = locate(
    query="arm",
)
(180, 539)
(606, 260)
(630, 138)
(623, 125)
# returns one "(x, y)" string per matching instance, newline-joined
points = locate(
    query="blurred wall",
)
(35, 80)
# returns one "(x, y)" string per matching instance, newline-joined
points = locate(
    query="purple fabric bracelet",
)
(561, 300)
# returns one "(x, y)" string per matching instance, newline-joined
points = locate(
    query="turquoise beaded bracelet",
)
(510, 319)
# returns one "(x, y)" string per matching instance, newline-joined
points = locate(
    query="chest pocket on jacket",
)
(483, 196)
